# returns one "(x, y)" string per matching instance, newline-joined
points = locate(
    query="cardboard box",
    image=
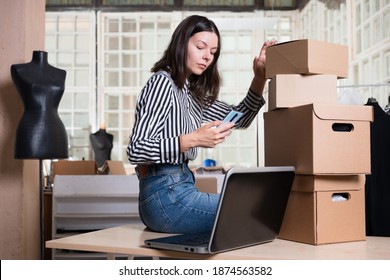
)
(210, 170)
(307, 57)
(112, 167)
(208, 184)
(319, 138)
(74, 167)
(334, 212)
(291, 90)
(320, 183)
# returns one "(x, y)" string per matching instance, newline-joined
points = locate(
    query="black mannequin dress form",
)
(40, 133)
(377, 188)
(101, 142)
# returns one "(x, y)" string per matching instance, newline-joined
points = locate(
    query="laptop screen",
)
(253, 207)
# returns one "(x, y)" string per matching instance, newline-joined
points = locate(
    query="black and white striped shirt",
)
(164, 112)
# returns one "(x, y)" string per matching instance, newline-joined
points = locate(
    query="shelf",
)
(85, 203)
(86, 196)
(83, 255)
(92, 216)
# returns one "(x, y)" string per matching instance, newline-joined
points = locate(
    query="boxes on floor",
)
(307, 57)
(291, 90)
(112, 167)
(74, 167)
(319, 138)
(325, 209)
(208, 184)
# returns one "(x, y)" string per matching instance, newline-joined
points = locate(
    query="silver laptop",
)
(250, 211)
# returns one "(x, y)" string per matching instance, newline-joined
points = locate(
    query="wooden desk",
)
(129, 240)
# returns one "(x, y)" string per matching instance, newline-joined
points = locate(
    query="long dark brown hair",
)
(204, 87)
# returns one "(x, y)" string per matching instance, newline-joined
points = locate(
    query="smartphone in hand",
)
(233, 117)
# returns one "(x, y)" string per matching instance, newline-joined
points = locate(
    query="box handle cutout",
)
(342, 127)
(341, 196)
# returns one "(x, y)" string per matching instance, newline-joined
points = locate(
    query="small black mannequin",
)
(40, 133)
(101, 142)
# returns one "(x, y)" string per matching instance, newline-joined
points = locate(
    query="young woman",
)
(177, 112)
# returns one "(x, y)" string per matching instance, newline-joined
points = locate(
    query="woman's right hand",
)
(208, 135)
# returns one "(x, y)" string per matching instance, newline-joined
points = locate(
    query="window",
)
(387, 64)
(108, 56)
(105, 78)
(70, 43)
(131, 43)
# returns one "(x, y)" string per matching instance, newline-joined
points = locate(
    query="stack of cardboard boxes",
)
(87, 167)
(328, 143)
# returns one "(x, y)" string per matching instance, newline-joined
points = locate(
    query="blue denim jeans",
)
(170, 202)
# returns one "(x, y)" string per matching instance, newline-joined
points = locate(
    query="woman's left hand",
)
(259, 61)
(259, 79)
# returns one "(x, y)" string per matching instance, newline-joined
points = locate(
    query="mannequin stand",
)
(41, 213)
